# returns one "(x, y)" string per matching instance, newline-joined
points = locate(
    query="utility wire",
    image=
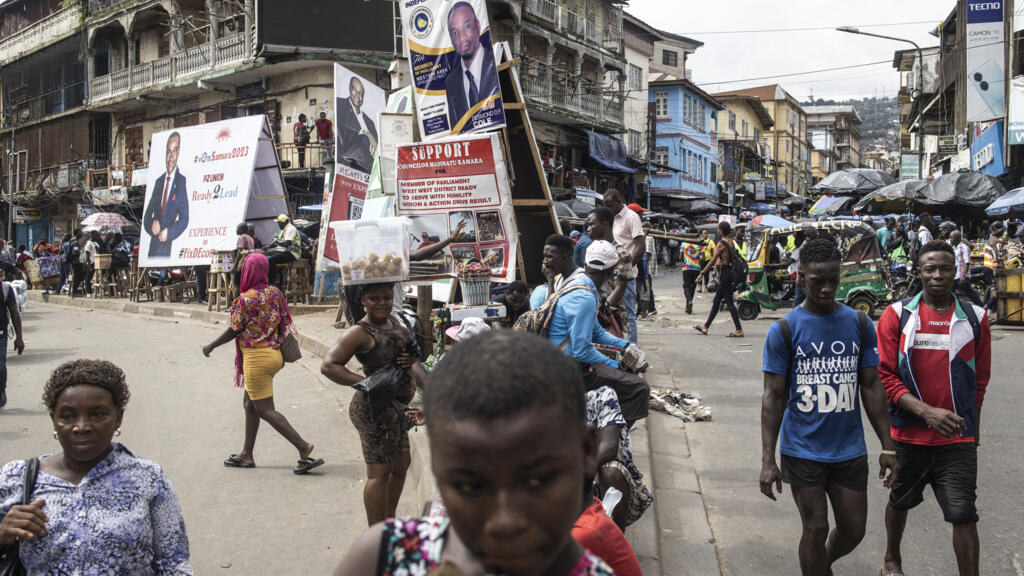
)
(888, 61)
(768, 30)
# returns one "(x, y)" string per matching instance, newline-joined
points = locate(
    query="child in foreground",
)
(510, 448)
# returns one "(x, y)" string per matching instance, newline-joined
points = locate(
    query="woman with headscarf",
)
(382, 339)
(259, 322)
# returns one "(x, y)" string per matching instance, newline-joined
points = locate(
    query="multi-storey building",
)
(743, 152)
(685, 157)
(838, 128)
(787, 139)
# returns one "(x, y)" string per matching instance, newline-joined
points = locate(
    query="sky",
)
(739, 56)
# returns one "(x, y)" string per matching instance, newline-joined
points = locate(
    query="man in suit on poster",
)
(166, 215)
(357, 133)
(474, 79)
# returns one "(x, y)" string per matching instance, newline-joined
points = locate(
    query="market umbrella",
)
(770, 221)
(830, 205)
(854, 180)
(953, 192)
(562, 210)
(761, 208)
(891, 198)
(1008, 205)
(580, 207)
(698, 206)
(795, 201)
(105, 219)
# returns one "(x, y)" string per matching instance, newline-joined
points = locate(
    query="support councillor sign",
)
(465, 180)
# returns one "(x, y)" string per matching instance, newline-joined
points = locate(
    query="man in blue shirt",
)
(884, 232)
(579, 252)
(821, 361)
(574, 326)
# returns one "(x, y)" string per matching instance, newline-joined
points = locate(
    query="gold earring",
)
(117, 432)
(54, 434)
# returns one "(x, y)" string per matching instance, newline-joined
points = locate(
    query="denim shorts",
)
(952, 470)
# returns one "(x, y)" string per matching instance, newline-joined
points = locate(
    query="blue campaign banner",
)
(453, 67)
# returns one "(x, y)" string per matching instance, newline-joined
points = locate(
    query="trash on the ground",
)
(686, 407)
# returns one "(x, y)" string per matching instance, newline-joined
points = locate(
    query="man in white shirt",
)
(924, 233)
(629, 233)
(962, 258)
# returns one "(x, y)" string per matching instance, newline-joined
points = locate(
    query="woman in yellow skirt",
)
(259, 322)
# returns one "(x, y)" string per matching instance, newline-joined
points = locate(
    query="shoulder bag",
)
(290, 349)
(10, 558)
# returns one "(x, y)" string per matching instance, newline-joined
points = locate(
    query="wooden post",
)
(424, 306)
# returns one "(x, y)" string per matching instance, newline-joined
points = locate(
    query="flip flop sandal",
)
(701, 329)
(734, 335)
(307, 465)
(233, 462)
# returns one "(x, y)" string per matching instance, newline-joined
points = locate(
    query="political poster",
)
(453, 67)
(986, 69)
(201, 191)
(459, 188)
(358, 105)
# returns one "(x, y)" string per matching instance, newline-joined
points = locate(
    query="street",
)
(754, 535)
(185, 415)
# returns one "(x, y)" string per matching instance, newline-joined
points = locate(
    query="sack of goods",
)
(372, 251)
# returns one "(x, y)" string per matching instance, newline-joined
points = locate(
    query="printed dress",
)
(413, 548)
(121, 519)
(256, 317)
(603, 410)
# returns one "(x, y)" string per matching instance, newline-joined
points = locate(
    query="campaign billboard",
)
(1015, 136)
(986, 69)
(462, 181)
(453, 67)
(200, 192)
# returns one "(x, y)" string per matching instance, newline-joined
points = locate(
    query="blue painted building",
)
(685, 154)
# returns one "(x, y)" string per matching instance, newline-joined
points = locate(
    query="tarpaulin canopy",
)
(891, 198)
(960, 189)
(703, 206)
(795, 201)
(761, 208)
(1009, 204)
(854, 181)
(609, 152)
(830, 205)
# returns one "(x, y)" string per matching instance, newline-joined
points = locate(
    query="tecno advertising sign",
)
(986, 69)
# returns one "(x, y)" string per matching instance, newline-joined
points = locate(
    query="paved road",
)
(757, 536)
(185, 415)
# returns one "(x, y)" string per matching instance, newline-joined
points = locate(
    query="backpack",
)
(538, 320)
(787, 335)
(301, 133)
(737, 265)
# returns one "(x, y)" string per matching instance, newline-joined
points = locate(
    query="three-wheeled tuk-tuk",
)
(861, 283)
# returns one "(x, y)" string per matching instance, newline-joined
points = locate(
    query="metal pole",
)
(10, 188)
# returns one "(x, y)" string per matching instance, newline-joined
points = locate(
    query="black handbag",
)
(381, 387)
(10, 559)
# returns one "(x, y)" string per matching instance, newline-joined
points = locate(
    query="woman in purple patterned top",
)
(96, 508)
(510, 450)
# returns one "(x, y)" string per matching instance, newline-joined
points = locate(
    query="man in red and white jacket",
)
(936, 361)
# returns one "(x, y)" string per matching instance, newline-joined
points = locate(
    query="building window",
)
(636, 80)
(661, 104)
(700, 123)
(746, 129)
(669, 58)
(732, 121)
(691, 165)
(714, 172)
(661, 158)
(757, 134)
(635, 143)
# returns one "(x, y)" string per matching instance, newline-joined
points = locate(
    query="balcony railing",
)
(543, 9)
(190, 62)
(39, 34)
(588, 100)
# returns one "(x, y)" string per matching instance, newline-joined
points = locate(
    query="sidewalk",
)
(672, 538)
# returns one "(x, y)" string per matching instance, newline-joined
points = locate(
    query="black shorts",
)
(850, 474)
(952, 470)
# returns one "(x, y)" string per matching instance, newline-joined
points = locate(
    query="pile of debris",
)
(686, 407)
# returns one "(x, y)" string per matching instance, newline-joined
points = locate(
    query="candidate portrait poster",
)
(197, 191)
(453, 67)
(358, 105)
(443, 184)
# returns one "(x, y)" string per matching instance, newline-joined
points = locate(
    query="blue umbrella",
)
(761, 208)
(1009, 204)
(770, 221)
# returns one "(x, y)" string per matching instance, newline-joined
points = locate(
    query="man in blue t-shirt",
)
(820, 362)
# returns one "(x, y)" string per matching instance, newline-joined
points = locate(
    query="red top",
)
(596, 532)
(930, 363)
(323, 129)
